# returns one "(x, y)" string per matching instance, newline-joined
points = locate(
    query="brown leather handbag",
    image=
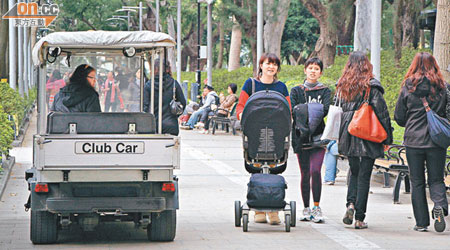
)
(365, 123)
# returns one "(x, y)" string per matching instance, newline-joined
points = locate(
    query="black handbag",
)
(176, 108)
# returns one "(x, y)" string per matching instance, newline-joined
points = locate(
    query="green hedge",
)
(11, 103)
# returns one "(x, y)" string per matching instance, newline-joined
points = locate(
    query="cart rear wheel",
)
(245, 222)
(43, 227)
(287, 222)
(237, 213)
(293, 213)
(163, 226)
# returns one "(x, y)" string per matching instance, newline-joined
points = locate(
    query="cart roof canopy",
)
(100, 40)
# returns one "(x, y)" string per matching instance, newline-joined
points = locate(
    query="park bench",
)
(394, 162)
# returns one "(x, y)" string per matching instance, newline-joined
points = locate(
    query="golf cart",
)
(91, 168)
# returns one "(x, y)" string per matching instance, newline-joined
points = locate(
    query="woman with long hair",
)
(266, 79)
(424, 81)
(357, 79)
(79, 95)
(169, 120)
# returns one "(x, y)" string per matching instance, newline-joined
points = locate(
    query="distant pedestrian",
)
(304, 97)
(356, 81)
(424, 80)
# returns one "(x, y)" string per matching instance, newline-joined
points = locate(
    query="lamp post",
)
(135, 9)
(209, 41)
(127, 16)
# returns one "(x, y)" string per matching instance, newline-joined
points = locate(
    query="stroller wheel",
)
(237, 213)
(293, 213)
(245, 222)
(287, 222)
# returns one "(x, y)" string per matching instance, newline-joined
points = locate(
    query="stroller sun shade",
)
(266, 121)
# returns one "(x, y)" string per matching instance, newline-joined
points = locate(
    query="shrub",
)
(6, 132)
(11, 101)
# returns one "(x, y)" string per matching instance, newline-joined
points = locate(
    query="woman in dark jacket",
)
(79, 95)
(169, 120)
(424, 80)
(356, 79)
(310, 159)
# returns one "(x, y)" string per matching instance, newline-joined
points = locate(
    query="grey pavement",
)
(211, 178)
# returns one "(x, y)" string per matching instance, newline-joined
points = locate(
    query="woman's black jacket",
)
(320, 94)
(350, 145)
(76, 98)
(169, 120)
(410, 113)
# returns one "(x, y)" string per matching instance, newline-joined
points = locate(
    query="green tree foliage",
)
(82, 15)
(300, 33)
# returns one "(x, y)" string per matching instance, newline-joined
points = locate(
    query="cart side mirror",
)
(53, 53)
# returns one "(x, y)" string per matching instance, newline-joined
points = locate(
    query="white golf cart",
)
(90, 168)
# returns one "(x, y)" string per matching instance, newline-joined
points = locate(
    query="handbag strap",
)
(253, 85)
(425, 104)
(338, 101)
(367, 95)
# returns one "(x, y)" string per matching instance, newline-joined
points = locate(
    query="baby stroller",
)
(266, 126)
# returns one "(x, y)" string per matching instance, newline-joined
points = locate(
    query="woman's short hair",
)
(233, 87)
(315, 61)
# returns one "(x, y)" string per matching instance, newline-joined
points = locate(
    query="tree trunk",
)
(398, 31)
(276, 13)
(325, 47)
(235, 48)
(221, 45)
(442, 38)
(409, 22)
(171, 53)
(345, 37)
(4, 40)
(362, 25)
(248, 26)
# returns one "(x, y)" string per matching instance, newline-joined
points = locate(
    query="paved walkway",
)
(211, 177)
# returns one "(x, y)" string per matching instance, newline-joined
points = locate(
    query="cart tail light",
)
(168, 187)
(41, 188)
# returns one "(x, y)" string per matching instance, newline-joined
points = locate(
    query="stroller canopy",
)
(266, 121)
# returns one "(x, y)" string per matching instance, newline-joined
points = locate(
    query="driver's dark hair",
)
(166, 66)
(79, 75)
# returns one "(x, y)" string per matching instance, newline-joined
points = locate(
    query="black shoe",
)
(348, 217)
(439, 221)
(420, 229)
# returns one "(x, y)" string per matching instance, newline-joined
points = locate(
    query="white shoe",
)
(316, 215)
(306, 215)
(199, 125)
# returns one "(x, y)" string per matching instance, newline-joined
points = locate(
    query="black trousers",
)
(434, 160)
(358, 187)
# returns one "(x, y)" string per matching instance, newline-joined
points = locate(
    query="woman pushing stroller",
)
(269, 66)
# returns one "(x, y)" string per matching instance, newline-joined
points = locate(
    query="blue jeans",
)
(331, 161)
(194, 118)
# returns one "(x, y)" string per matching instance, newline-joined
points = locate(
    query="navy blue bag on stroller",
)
(266, 190)
(266, 127)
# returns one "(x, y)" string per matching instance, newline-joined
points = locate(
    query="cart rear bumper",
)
(106, 204)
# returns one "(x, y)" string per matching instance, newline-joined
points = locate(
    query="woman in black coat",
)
(424, 80)
(356, 79)
(79, 95)
(169, 120)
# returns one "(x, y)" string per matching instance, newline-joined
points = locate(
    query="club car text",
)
(109, 147)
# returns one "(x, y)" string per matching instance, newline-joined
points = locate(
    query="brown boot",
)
(260, 217)
(273, 218)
